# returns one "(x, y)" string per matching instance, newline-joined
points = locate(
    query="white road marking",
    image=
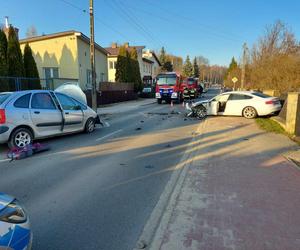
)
(4, 160)
(106, 136)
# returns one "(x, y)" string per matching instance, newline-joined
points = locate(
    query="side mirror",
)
(78, 107)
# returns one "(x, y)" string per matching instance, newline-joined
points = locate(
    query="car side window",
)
(42, 101)
(222, 98)
(84, 107)
(23, 101)
(66, 102)
(236, 97)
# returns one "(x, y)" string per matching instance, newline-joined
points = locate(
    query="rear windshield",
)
(3, 97)
(260, 95)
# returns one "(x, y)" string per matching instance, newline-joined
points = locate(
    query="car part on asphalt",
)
(18, 153)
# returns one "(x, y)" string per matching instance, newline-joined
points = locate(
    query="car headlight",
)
(13, 213)
(174, 95)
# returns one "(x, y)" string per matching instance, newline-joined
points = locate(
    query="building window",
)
(88, 77)
(112, 64)
(51, 73)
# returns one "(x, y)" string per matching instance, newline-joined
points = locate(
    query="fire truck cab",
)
(169, 87)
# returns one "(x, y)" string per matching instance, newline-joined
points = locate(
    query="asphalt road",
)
(96, 191)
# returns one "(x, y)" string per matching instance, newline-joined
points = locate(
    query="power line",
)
(84, 11)
(129, 19)
(225, 35)
(139, 22)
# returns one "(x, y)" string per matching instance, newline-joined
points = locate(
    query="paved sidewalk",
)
(238, 192)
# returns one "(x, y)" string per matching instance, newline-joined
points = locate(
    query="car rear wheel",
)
(249, 112)
(90, 125)
(20, 138)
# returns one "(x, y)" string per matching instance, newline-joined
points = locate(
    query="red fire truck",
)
(169, 87)
(191, 88)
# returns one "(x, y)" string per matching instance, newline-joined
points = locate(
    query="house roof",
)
(115, 51)
(62, 34)
(147, 60)
(156, 58)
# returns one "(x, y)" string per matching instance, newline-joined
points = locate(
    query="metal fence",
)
(24, 83)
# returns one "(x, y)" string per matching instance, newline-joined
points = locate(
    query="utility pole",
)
(244, 66)
(92, 56)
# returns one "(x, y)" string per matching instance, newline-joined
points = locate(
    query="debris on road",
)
(21, 153)
(149, 166)
(138, 129)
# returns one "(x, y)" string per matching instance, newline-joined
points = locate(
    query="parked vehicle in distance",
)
(35, 114)
(15, 232)
(248, 104)
(169, 87)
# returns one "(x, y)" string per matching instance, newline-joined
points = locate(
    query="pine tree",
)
(135, 75)
(162, 56)
(122, 66)
(232, 67)
(3, 62)
(167, 66)
(30, 68)
(196, 72)
(188, 67)
(14, 55)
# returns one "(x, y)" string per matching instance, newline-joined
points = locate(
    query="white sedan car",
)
(249, 104)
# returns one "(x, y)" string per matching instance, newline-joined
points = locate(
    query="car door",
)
(45, 115)
(236, 103)
(73, 114)
(212, 107)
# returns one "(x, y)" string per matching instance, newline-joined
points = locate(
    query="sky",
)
(215, 29)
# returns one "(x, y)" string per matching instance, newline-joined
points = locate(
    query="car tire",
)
(249, 112)
(90, 125)
(20, 138)
(201, 113)
(159, 101)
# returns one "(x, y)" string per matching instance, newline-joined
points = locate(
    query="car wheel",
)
(159, 101)
(249, 112)
(90, 125)
(201, 113)
(20, 138)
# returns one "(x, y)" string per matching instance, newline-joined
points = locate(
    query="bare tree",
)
(275, 60)
(31, 32)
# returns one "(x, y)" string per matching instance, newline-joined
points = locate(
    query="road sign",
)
(234, 79)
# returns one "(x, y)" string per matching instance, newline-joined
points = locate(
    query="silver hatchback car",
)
(34, 114)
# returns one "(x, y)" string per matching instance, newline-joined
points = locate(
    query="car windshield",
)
(261, 95)
(166, 80)
(3, 97)
(191, 81)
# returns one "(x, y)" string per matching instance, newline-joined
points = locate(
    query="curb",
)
(151, 236)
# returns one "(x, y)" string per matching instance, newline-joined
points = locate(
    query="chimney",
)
(126, 45)
(6, 22)
(114, 45)
(6, 28)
